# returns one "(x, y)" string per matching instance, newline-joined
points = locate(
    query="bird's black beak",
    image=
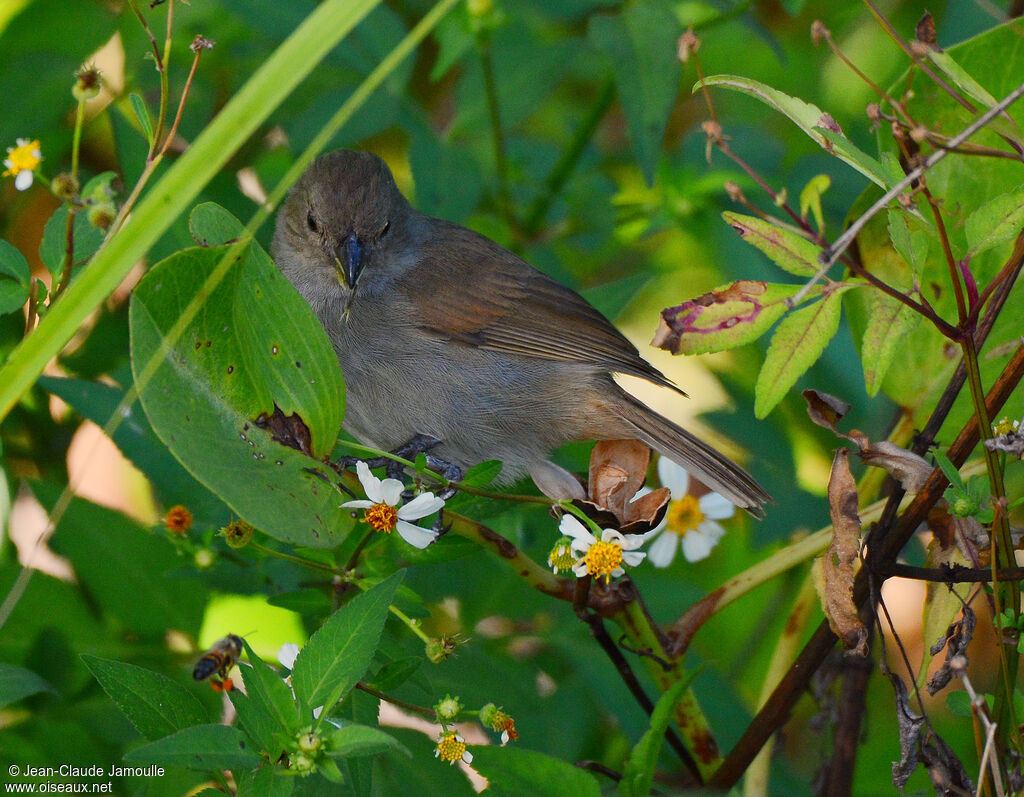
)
(349, 255)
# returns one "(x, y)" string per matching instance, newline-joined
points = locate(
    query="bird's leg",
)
(420, 444)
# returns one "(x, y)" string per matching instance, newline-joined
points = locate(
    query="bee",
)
(217, 661)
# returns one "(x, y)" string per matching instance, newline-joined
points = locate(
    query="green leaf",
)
(796, 345)
(153, 703)
(971, 87)
(337, 655)
(202, 747)
(142, 114)
(264, 782)
(395, 673)
(17, 682)
(949, 470)
(808, 118)
(351, 741)
(638, 774)
(13, 263)
(513, 771)
(724, 318)
(212, 225)
(55, 242)
(115, 558)
(998, 220)
(785, 248)
(640, 44)
(268, 690)
(889, 322)
(255, 348)
(483, 473)
(256, 722)
(810, 198)
(909, 238)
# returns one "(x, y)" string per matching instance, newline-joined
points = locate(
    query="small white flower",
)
(603, 557)
(21, 162)
(689, 521)
(383, 513)
(451, 747)
(287, 654)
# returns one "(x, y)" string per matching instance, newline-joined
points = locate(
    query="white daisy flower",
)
(689, 521)
(21, 162)
(383, 513)
(601, 557)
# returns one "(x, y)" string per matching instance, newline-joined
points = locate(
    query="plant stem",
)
(298, 560)
(494, 112)
(538, 210)
(69, 228)
(429, 713)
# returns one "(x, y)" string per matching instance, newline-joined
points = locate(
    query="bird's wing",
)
(493, 299)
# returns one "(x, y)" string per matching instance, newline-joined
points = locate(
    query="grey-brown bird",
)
(444, 334)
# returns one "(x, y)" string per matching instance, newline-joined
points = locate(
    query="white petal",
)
(360, 504)
(630, 542)
(663, 550)
(674, 477)
(414, 535)
(697, 546)
(633, 558)
(713, 531)
(391, 491)
(571, 527)
(371, 484)
(580, 568)
(467, 757)
(286, 655)
(615, 536)
(317, 712)
(422, 505)
(716, 507)
(23, 179)
(650, 535)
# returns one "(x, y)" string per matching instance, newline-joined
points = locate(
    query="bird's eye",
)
(311, 222)
(387, 226)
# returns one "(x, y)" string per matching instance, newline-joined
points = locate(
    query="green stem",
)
(1006, 593)
(69, 229)
(298, 560)
(690, 719)
(538, 210)
(494, 112)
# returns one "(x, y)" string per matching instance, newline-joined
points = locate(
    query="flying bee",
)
(217, 661)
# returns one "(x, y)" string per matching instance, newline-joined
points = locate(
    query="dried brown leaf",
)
(825, 409)
(909, 469)
(618, 469)
(839, 561)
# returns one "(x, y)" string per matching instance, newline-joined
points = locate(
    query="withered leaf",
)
(1012, 443)
(838, 564)
(618, 469)
(955, 640)
(288, 430)
(825, 409)
(925, 31)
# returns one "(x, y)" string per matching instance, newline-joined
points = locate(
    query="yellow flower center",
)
(603, 558)
(451, 748)
(684, 515)
(23, 158)
(382, 517)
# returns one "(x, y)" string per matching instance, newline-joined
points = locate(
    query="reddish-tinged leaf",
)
(724, 318)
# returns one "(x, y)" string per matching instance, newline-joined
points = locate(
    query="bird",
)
(444, 335)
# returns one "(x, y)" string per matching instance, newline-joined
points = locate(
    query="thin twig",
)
(829, 257)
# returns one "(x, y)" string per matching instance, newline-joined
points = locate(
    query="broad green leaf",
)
(640, 43)
(810, 199)
(513, 771)
(337, 655)
(264, 782)
(361, 740)
(212, 225)
(998, 220)
(115, 558)
(142, 114)
(395, 673)
(268, 689)
(785, 248)
(889, 323)
(255, 349)
(13, 295)
(155, 705)
(807, 117)
(638, 774)
(136, 439)
(203, 747)
(797, 343)
(53, 247)
(13, 263)
(255, 721)
(17, 682)
(724, 318)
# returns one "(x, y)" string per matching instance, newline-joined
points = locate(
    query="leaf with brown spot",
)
(838, 565)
